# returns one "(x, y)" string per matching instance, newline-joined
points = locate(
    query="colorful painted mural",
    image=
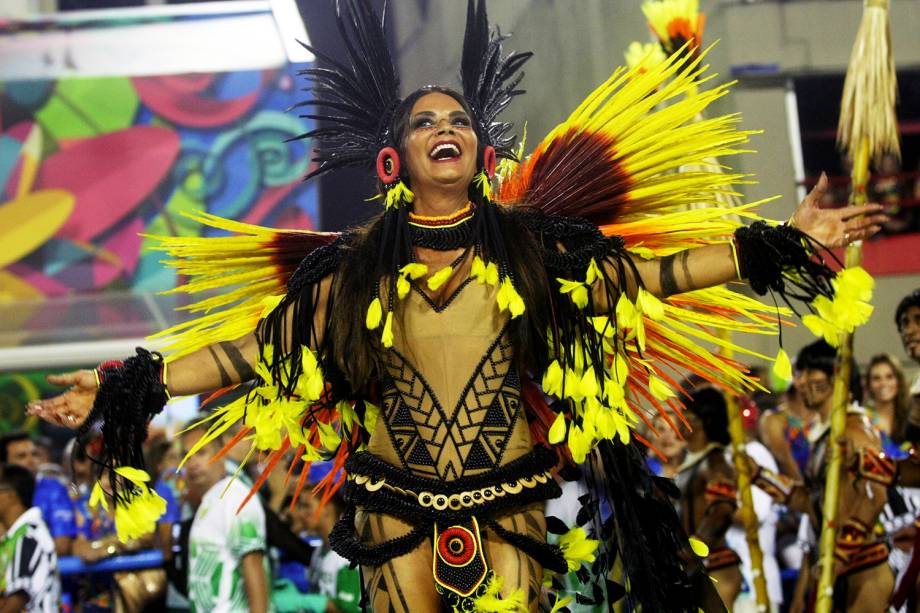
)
(90, 165)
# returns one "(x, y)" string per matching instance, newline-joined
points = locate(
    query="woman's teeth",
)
(444, 151)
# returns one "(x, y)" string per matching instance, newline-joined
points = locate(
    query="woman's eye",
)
(462, 121)
(422, 122)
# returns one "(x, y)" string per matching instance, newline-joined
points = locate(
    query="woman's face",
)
(305, 513)
(883, 383)
(668, 442)
(171, 459)
(441, 145)
(82, 470)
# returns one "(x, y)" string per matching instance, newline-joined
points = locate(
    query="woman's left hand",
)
(836, 227)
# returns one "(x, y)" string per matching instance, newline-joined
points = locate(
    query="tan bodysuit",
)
(451, 407)
(451, 404)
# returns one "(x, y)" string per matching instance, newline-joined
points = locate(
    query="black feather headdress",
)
(489, 80)
(355, 101)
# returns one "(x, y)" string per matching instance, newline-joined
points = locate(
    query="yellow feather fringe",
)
(250, 285)
(492, 602)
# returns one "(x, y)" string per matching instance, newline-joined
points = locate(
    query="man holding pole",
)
(907, 318)
(863, 580)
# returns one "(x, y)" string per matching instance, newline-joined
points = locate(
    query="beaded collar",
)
(442, 232)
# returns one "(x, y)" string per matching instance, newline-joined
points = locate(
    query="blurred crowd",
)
(786, 440)
(227, 546)
(218, 555)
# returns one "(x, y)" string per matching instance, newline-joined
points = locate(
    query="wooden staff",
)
(831, 506)
(868, 130)
(748, 515)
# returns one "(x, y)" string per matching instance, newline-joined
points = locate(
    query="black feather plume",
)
(354, 101)
(489, 79)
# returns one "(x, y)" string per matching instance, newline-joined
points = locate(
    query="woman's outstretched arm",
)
(210, 368)
(714, 264)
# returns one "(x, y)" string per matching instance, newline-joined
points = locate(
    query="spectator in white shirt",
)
(228, 568)
(30, 581)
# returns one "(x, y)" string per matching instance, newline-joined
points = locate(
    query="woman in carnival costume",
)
(498, 325)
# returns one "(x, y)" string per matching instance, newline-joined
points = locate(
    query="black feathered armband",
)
(130, 394)
(786, 261)
(782, 259)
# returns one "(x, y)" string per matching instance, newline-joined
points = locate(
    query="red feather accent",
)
(304, 472)
(297, 454)
(272, 462)
(654, 449)
(231, 444)
(288, 247)
(217, 394)
(572, 175)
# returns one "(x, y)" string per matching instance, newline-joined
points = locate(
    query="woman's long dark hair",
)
(899, 422)
(369, 258)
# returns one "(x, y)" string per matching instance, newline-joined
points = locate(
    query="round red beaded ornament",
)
(456, 546)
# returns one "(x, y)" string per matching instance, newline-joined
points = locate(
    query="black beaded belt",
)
(379, 487)
(375, 485)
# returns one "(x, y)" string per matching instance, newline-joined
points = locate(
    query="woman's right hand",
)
(71, 408)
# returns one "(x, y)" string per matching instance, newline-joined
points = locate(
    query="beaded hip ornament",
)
(459, 565)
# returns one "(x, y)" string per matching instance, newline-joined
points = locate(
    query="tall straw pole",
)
(831, 507)
(868, 129)
(748, 515)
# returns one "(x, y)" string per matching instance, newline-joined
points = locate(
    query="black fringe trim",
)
(643, 528)
(128, 398)
(344, 542)
(546, 555)
(292, 324)
(645, 531)
(784, 260)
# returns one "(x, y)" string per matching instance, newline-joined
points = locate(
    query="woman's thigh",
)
(518, 570)
(728, 584)
(403, 583)
(868, 591)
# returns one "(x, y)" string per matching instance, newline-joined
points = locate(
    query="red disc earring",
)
(388, 165)
(488, 160)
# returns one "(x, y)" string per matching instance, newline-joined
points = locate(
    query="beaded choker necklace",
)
(442, 232)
